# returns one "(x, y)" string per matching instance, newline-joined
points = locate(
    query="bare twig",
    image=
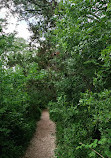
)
(94, 151)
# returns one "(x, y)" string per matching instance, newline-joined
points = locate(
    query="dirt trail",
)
(43, 143)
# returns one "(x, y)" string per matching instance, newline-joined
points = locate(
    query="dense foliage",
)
(21, 94)
(70, 72)
(83, 107)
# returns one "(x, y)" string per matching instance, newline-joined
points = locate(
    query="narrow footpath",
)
(43, 143)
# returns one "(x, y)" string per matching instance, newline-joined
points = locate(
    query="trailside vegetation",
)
(69, 73)
(24, 79)
(82, 111)
(21, 94)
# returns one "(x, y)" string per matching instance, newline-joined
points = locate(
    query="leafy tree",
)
(83, 35)
(18, 115)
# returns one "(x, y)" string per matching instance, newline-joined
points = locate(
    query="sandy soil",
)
(43, 143)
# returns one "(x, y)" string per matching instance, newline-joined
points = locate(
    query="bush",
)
(83, 127)
(18, 115)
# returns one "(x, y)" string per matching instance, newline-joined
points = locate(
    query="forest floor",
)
(43, 143)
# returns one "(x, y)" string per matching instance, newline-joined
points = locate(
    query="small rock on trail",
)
(43, 143)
